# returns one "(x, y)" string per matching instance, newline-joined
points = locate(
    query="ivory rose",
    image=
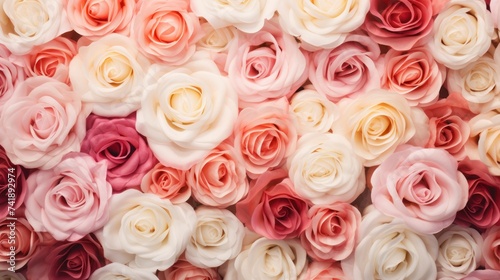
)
(9, 275)
(186, 271)
(166, 182)
(312, 111)
(483, 144)
(491, 248)
(115, 271)
(11, 74)
(26, 243)
(186, 111)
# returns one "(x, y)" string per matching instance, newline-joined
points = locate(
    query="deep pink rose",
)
(491, 248)
(400, 24)
(323, 271)
(10, 75)
(125, 151)
(272, 209)
(333, 231)
(186, 271)
(420, 186)
(485, 274)
(67, 260)
(167, 182)
(347, 70)
(25, 241)
(15, 181)
(483, 206)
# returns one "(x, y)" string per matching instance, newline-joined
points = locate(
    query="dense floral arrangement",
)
(257, 139)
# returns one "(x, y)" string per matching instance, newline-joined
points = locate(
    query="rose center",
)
(30, 16)
(457, 255)
(187, 103)
(98, 10)
(115, 70)
(169, 27)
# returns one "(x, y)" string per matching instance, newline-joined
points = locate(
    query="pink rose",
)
(12, 186)
(45, 121)
(10, 75)
(483, 206)
(96, 18)
(220, 178)
(420, 186)
(186, 271)
(414, 74)
(166, 31)
(71, 199)
(333, 231)
(26, 242)
(265, 65)
(491, 248)
(346, 70)
(323, 271)
(167, 182)
(495, 12)
(272, 209)
(401, 24)
(125, 151)
(486, 274)
(67, 260)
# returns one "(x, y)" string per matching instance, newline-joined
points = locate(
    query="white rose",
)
(323, 24)
(462, 33)
(459, 251)
(217, 237)
(313, 111)
(25, 24)
(325, 169)
(8, 275)
(216, 39)
(248, 16)
(484, 142)
(108, 74)
(145, 231)
(186, 112)
(115, 271)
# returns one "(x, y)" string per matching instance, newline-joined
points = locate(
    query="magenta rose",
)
(25, 242)
(125, 151)
(10, 75)
(400, 24)
(167, 182)
(420, 186)
(67, 260)
(483, 206)
(323, 271)
(12, 181)
(491, 248)
(272, 209)
(186, 271)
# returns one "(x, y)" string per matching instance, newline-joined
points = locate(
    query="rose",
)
(483, 144)
(459, 251)
(461, 34)
(145, 231)
(109, 74)
(325, 169)
(400, 25)
(272, 209)
(247, 16)
(25, 241)
(271, 125)
(26, 24)
(312, 111)
(10, 182)
(347, 70)
(10, 75)
(166, 31)
(66, 260)
(420, 186)
(114, 271)
(219, 179)
(414, 74)
(491, 248)
(186, 271)
(265, 65)
(125, 152)
(486, 274)
(8, 275)
(71, 199)
(217, 41)
(166, 182)
(186, 112)
(333, 232)
(217, 237)
(45, 120)
(323, 271)
(94, 19)
(322, 24)
(483, 208)
(375, 126)
(495, 12)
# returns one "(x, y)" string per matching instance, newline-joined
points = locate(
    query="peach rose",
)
(323, 271)
(186, 271)
(167, 182)
(25, 242)
(491, 248)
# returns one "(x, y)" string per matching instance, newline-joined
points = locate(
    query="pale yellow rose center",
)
(187, 103)
(480, 80)
(29, 17)
(273, 261)
(458, 255)
(115, 70)
(210, 233)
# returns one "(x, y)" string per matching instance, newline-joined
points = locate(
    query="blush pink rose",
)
(272, 209)
(125, 151)
(264, 136)
(186, 271)
(346, 70)
(420, 186)
(400, 24)
(414, 74)
(97, 18)
(166, 31)
(71, 199)
(491, 248)
(483, 206)
(484, 274)
(333, 232)
(10, 75)
(323, 271)
(219, 179)
(167, 182)
(15, 181)
(26, 242)
(265, 65)
(495, 12)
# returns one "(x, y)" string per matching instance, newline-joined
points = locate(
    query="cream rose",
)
(312, 111)
(323, 24)
(216, 39)
(186, 112)
(217, 237)
(484, 144)
(462, 33)
(115, 271)
(109, 74)
(325, 169)
(145, 231)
